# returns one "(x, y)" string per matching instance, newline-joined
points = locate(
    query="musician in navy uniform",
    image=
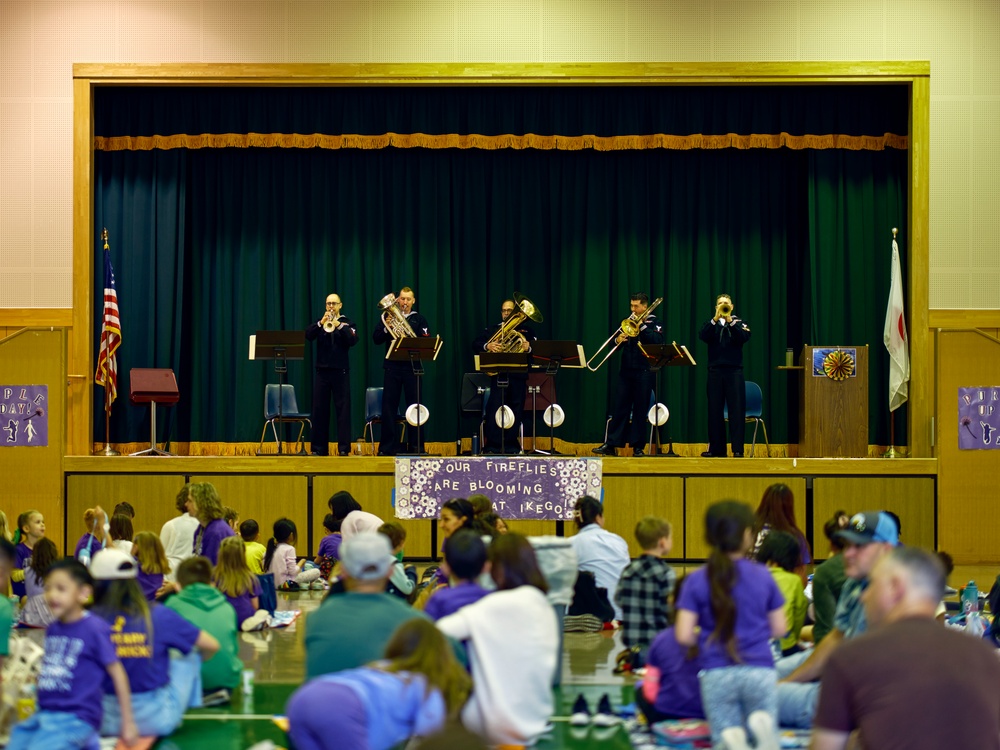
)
(635, 383)
(514, 393)
(725, 335)
(399, 378)
(332, 377)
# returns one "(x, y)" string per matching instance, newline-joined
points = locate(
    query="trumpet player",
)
(398, 377)
(635, 382)
(334, 335)
(725, 335)
(517, 383)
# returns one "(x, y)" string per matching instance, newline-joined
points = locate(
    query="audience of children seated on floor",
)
(477, 641)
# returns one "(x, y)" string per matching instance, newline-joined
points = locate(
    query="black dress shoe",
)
(638, 453)
(314, 453)
(708, 454)
(605, 450)
(386, 453)
(342, 452)
(737, 455)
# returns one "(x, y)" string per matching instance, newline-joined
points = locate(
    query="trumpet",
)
(330, 323)
(511, 341)
(394, 319)
(629, 328)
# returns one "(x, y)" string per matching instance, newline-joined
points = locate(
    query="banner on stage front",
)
(24, 420)
(521, 488)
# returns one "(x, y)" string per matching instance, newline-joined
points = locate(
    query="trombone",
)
(628, 328)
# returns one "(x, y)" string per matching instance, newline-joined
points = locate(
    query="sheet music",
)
(253, 345)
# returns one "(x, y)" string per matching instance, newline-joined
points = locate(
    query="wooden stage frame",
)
(678, 489)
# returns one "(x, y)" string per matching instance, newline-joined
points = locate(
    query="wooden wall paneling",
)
(152, 495)
(80, 411)
(911, 498)
(629, 498)
(535, 528)
(966, 478)
(703, 491)
(917, 249)
(33, 476)
(265, 498)
(374, 493)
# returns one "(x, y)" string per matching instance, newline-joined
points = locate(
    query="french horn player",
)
(334, 335)
(512, 335)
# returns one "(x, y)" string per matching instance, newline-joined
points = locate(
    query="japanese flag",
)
(894, 337)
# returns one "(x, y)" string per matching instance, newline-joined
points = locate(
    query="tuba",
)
(629, 328)
(508, 337)
(394, 319)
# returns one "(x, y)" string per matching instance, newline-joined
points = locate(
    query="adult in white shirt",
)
(513, 638)
(353, 520)
(177, 534)
(599, 551)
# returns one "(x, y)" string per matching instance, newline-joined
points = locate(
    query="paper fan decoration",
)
(838, 365)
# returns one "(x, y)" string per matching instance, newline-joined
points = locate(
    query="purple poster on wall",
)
(521, 488)
(979, 418)
(24, 416)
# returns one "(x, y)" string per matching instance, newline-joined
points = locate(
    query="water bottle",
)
(970, 598)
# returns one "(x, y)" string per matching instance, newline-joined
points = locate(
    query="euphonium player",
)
(399, 377)
(725, 335)
(515, 391)
(635, 383)
(332, 377)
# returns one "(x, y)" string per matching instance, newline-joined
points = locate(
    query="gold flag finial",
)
(104, 236)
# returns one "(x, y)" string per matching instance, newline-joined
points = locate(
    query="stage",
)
(268, 487)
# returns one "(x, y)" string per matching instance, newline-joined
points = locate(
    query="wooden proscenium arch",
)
(87, 76)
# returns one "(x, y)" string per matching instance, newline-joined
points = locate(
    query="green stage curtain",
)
(212, 245)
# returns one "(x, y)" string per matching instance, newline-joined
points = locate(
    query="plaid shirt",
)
(643, 591)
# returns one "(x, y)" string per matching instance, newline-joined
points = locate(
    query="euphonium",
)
(511, 341)
(394, 319)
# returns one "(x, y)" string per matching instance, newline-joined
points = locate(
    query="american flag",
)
(111, 334)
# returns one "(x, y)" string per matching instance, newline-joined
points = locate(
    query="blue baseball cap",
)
(870, 526)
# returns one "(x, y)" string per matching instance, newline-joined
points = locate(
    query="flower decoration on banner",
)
(838, 365)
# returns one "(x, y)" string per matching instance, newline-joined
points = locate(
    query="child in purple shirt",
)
(163, 688)
(329, 546)
(30, 528)
(464, 557)
(147, 549)
(739, 608)
(78, 656)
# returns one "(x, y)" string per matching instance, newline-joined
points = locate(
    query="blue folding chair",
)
(754, 400)
(289, 412)
(373, 415)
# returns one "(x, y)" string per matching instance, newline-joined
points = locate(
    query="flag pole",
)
(892, 453)
(108, 450)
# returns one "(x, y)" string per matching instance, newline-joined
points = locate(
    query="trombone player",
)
(635, 382)
(334, 335)
(518, 341)
(398, 377)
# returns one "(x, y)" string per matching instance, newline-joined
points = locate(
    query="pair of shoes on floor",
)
(257, 621)
(605, 716)
(761, 726)
(216, 698)
(582, 624)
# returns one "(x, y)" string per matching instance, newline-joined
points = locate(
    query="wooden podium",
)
(833, 414)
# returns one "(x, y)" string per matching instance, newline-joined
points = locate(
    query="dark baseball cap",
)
(870, 526)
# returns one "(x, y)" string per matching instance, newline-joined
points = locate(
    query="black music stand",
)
(660, 356)
(153, 386)
(280, 346)
(550, 357)
(542, 390)
(414, 350)
(502, 364)
(474, 385)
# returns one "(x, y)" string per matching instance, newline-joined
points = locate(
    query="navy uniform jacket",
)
(332, 348)
(650, 332)
(725, 342)
(381, 335)
(479, 345)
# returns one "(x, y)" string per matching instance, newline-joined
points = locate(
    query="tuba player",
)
(515, 390)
